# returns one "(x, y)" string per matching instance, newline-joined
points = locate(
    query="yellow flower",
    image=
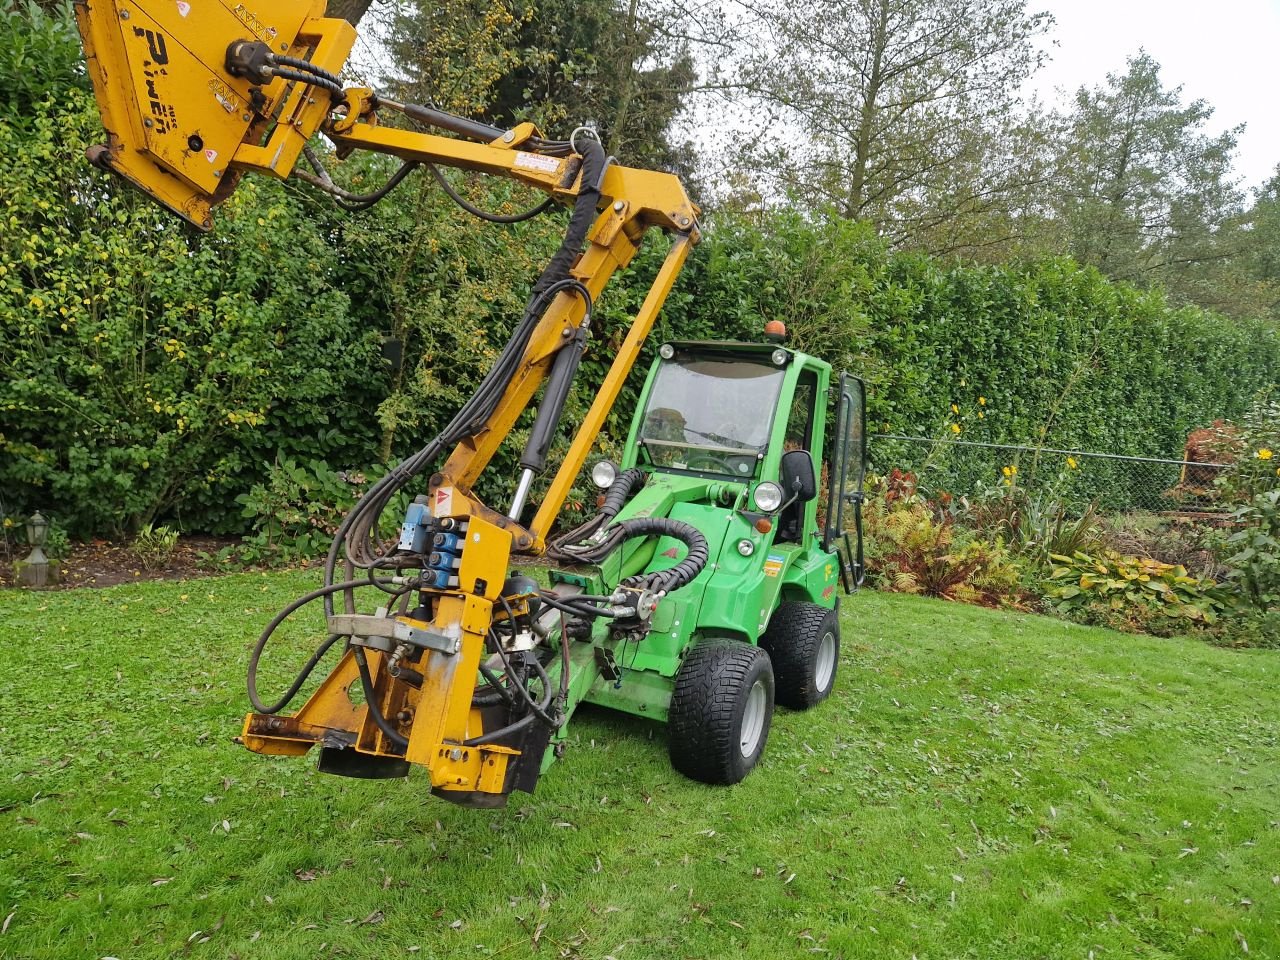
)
(1263, 454)
(1006, 471)
(1071, 462)
(980, 416)
(954, 408)
(955, 428)
(982, 401)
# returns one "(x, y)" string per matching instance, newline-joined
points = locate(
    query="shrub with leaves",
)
(1253, 552)
(296, 511)
(1128, 591)
(913, 551)
(1252, 447)
(154, 546)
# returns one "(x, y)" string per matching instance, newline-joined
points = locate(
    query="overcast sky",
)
(1223, 52)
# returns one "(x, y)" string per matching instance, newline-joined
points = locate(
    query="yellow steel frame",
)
(184, 130)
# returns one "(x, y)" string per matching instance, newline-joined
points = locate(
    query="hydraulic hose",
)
(567, 548)
(475, 211)
(254, 657)
(673, 578)
(371, 701)
(356, 539)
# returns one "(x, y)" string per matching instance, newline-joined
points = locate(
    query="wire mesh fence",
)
(1111, 481)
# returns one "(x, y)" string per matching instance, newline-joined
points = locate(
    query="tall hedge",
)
(1059, 354)
(147, 372)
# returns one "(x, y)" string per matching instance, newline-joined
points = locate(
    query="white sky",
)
(1223, 52)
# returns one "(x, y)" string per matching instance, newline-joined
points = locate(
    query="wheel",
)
(720, 711)
(803, 640)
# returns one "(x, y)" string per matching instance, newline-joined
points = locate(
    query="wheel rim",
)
(753, 719)
(825, 667)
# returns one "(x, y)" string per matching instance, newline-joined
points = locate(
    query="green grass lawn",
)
(980, 785)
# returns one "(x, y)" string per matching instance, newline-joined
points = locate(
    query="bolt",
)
(284, 47)
(566, 332)
(245, 117)
(124, 14)
(217, 174)
(455, 754)
(619, 206)
(684, 221)
(147, 122)
(508, 136)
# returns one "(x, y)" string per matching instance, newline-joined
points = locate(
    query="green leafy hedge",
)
(150, 374)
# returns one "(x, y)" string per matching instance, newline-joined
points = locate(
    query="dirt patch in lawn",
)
(100, 563)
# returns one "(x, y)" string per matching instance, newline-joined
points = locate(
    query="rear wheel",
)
(803, 640)
(721, 709)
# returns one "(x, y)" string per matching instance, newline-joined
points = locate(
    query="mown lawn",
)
(981, 785)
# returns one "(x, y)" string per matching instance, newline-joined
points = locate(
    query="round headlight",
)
(666, 351)
(779, 357)
(768, 497)
(746, 547)
(604, 473)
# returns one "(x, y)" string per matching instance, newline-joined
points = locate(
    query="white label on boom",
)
(535, 161)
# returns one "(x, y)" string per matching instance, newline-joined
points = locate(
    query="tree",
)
(1261, 261)
(349, 10)
(886, 110)
(616, 68)
(1143, 192)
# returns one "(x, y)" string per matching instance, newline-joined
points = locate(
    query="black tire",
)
(806, 667)
(708, 738)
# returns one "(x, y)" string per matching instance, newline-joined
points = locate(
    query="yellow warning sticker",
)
(773, 565)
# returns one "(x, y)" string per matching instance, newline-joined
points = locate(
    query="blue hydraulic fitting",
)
(447, 541)
(415, 533)
(439, 579)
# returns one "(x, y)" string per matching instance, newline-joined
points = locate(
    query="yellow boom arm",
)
(196, 93)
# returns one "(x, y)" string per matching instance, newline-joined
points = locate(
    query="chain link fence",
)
(1115, 483)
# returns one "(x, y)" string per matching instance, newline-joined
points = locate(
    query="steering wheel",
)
(703, 461)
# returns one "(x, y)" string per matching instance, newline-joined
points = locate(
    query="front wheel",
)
(803, 640)
(721, 709)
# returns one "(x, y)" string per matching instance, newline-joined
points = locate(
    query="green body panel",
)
(734, 595)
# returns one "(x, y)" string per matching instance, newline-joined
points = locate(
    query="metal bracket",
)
(607, 666)
(382, 633)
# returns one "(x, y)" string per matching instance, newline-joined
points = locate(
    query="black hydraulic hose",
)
(370, 700)
(584, 215)
(356, 535)
(354, 202)
(499, 693)
(256, 655)
(307, 67)
(475, 211)
(500, 732)
(334, 89)
(619, 491)
(562, 548)
(683, 572)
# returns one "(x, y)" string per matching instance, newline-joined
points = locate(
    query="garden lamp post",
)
(35, 570)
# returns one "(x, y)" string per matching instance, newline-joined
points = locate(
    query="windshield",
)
(710, 415)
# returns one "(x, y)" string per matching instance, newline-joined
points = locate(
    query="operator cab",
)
(711, 409)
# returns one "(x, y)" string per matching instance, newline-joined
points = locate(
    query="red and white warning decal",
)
(442, 503)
